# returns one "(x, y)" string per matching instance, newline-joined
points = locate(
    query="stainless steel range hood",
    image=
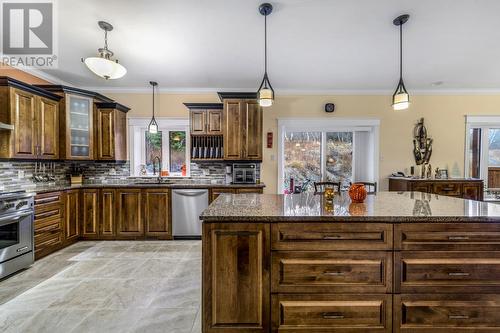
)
(4, 126)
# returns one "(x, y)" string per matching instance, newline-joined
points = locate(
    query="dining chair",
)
(319, 187)
(371, 187)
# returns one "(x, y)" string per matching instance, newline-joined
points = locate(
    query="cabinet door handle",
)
(458, 317)
(334, 273)
(458, 237)
(332, 237)
(459, 274)
(329, 315)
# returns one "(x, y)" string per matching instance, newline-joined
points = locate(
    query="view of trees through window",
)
(153, 149)
(304, 155)
(494, 147)
(177, 150)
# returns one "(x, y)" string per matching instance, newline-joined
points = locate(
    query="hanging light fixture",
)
(153, 125)
(266, 91)
(401, 98)
(103, 65)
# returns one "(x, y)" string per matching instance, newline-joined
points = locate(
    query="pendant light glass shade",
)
(103, 65)
(265, 94)
(401, 98)
(105, 68)
(153, 125)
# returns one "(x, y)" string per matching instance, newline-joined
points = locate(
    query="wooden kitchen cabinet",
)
(107, 226)
(90, 213)
(205, 118)
(129, 221)
(48, 223)
(236, 277)
(111, 131)
(242, 130)
(157, 213)
(72, 216)
(33, 113)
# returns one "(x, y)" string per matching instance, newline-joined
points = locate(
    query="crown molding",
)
(45, 76)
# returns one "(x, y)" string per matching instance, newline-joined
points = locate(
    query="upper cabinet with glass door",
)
(79, 129)
(77, 121)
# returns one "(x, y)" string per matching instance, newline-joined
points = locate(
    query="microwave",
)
(245, 173)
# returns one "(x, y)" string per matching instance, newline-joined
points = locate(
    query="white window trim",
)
(484, 123)
(137, 126)
(327, 125)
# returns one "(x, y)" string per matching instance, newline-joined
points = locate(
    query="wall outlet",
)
(20, 174)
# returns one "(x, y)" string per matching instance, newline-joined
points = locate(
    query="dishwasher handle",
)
(190, 193)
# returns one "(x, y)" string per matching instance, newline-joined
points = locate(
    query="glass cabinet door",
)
(80, 126)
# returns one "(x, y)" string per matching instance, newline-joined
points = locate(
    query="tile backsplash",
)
(18, 175)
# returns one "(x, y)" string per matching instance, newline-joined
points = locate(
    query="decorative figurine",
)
(422, 145)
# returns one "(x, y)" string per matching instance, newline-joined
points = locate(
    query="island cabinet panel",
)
(107, 228)
(236, 270)
(331, 313)
(90, 216)
(331, 272)
(334, 236)
(447, 237)
(72, 216)
(129, 213)
(157, 214)
(447, 272)
(431, 313)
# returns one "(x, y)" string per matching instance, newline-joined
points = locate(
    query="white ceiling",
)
(314, 45)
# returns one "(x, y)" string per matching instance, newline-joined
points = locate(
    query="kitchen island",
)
(400, 262)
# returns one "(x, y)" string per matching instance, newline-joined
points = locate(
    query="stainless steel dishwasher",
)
(187, 206)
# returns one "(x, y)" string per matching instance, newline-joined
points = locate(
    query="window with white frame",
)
(482, 153)
(340, 150)
(168, 147)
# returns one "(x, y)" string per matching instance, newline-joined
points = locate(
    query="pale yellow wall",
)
(444, 117)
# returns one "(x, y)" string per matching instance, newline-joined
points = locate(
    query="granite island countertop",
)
(171, 185)
(383, 207)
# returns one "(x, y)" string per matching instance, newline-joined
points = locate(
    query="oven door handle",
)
(13, 218)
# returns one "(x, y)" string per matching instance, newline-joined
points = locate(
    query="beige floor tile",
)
(166, 320)
(54, 321)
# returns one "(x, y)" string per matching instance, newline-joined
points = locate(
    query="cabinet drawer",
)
(447, 272)
(451, 237)
(44, 199)
(453, 189)
(331, 272)
(331, 313)
(446, 313)
(47, 225)
(331, 236)
(47, 239)
(49, 211)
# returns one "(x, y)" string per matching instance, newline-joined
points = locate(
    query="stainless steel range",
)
(16, 232)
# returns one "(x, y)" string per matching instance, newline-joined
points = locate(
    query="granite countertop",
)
(382, 207)
(172, 185)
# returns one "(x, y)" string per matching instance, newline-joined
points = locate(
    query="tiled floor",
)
(122, 286)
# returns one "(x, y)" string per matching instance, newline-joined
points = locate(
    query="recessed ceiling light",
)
(437, 83)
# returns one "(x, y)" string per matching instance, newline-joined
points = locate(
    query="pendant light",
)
(265, 94)
(401, 98)
(153, 125)
(103, 65)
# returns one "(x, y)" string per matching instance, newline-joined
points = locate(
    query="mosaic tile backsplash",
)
(18, 175)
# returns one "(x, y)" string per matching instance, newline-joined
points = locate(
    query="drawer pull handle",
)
(332, 237)
(458, 317)
(458, 237)
(458, 274)
(327, 315)
(334, 273)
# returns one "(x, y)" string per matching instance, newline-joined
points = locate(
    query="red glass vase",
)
(357, 193)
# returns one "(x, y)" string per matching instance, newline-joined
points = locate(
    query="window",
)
(482, 159)
(167, 147)
(312, 150)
